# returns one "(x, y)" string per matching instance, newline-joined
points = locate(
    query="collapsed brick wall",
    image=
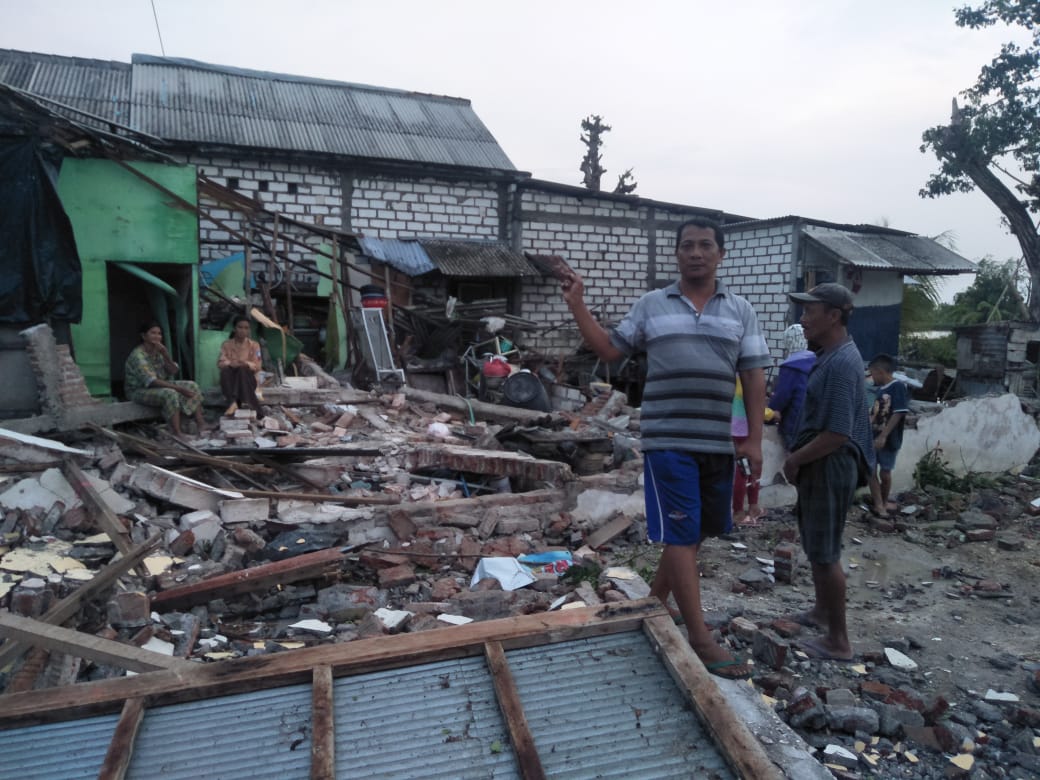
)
(59, 379)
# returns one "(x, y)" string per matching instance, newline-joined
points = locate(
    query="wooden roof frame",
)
(318, 666)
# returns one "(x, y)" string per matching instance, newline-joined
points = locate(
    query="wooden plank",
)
(101, 512)
(241, 675)
(323, 726)
(323, 498)
(605, 533)
(121, 747)
(70, 605)
(302, 567)
(527, 757)
(738, 745)
(93, 648)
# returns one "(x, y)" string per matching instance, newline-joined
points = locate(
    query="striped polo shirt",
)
(692, 361)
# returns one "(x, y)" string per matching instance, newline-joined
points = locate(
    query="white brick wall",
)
(306, 193)
(384, 207)
(758, 266)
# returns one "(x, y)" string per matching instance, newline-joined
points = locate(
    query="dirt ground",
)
(968, 613)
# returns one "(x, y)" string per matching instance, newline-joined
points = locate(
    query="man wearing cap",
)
(833, 454)
(697, 336)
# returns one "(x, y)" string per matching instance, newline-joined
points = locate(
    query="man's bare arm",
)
(595, 335)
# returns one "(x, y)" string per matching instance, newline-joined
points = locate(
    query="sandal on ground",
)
(733, 669)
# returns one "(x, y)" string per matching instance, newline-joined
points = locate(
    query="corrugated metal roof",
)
(195, 102)
(264, 734)
(438, 720)
(477, 258)
(604, 707)
(452, 258)
(99, 87)
(905, 253)
(69, 750)
(607, 707)
(408, 257)
(183, 100)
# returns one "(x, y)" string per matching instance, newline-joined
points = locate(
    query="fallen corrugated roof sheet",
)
(884, 251)
(406, 256)
(452, 258)
(585, 693)
(477, 258)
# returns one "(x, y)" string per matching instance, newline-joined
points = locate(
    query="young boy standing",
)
(886, 422)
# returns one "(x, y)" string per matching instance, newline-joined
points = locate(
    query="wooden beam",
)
(527, 757)
(323, 726)
(241, 675)
(101, 512)
(70, 605)
(738, 745)
(323, 498)
(267, 575)
(480, 409)
(93, 648)
(121, 747)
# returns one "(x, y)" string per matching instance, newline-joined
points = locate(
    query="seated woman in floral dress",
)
(148, 379)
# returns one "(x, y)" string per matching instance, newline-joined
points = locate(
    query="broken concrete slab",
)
(497, 463)
(176, 489)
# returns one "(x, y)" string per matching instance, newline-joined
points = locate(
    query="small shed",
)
(998, 357)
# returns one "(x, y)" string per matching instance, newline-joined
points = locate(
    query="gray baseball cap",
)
(829, 293)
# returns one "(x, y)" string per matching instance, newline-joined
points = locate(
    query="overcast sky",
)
(762, 108)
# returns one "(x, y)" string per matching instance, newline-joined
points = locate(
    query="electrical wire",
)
(157, 30)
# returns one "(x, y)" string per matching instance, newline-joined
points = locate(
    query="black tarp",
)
(40, 277)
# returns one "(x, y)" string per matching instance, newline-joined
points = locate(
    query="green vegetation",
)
(991, 142)
(933, 470)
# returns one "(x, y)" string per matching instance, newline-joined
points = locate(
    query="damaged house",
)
(397, 582)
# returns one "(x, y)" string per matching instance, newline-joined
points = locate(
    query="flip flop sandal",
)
(733, 669)
(815, 649)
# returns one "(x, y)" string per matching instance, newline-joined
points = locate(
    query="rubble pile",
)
(323, 522)
(350, 515)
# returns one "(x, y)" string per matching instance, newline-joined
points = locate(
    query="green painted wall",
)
(116, 216)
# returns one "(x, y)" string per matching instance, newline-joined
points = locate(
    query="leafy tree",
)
(992, 297)
(993, 141)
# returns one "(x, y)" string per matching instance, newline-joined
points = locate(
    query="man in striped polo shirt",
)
(833, 453)
(697, 336)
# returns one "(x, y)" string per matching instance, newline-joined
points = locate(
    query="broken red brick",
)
(374, 559)
(871, 689)
(786, 628)
(130, 609)
(935, 710)
(397, 576)
(989, 586)
(401, 524)
(78, 519)
(444, 588)
(770, 649)
(980, 534)
(183, 544)
(469, 553)
(248, 540)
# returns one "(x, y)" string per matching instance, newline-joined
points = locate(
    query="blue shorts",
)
(886, 458)
(688, 495)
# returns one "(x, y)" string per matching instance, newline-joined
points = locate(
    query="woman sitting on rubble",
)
(148, 380)
(239, 363)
